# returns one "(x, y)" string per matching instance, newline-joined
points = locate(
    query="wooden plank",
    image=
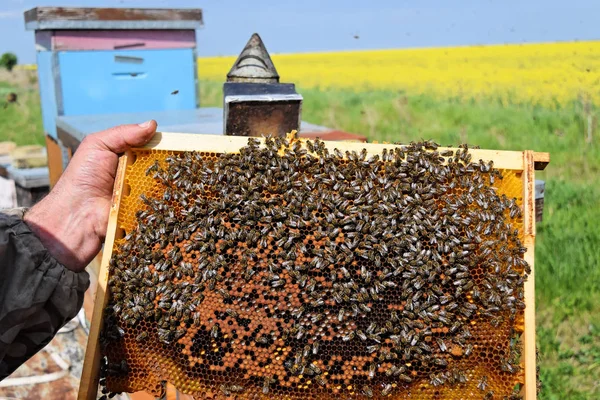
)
(7, 147)
(112, 14)
(43, 18)
(528, 193)
(55, 160)
(94, 266)
(541, 160)
(30, 156)
(529, 348)
(88, 388)
(90, 294)
(93, 270)
(232, 144)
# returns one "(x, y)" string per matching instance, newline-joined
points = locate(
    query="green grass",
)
(568, 291)
(568, 240)
(20, 122)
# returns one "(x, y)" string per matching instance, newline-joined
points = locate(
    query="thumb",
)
(123, 137)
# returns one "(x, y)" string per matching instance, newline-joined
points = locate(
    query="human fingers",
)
(122, 137)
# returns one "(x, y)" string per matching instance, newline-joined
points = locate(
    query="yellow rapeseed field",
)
(545, 74)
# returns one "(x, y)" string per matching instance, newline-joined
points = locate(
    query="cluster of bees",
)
(287, 270)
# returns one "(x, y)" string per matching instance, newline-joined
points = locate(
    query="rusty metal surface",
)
(42, 18)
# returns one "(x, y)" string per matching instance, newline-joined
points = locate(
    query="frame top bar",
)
(232, 144)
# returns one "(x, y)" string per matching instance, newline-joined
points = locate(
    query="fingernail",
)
(145, 124)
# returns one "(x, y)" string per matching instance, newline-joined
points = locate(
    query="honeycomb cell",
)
(288, 271)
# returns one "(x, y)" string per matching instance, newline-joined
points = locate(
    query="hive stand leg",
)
(529, 353)
(88, 387)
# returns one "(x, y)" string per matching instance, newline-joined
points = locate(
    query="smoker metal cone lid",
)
(253, 64)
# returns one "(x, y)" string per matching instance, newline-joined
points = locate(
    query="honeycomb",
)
(287, 271)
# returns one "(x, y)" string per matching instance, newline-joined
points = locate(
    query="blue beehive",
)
(99, 61)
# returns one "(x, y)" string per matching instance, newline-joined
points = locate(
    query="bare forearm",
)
(66, 229)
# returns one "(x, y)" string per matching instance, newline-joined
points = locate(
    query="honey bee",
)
(437, 379)
(214, 331)
(468, 350)
(372, 369)
(387, 389)
(320, 380)
(267, 381)
(373, 348)
(483, 383)
(440, 361)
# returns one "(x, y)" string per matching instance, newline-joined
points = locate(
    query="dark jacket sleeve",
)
(37, 294)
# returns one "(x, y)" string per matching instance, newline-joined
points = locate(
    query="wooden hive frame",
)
(525, 162)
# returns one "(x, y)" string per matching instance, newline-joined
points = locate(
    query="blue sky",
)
(321, 25)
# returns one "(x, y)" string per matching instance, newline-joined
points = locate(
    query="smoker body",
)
(254, 109)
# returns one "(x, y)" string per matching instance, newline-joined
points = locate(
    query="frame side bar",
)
(529, 347)
(88, 387)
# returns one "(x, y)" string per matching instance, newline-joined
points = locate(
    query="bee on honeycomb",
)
(289, 271)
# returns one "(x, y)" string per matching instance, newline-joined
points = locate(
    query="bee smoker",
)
(254, 102)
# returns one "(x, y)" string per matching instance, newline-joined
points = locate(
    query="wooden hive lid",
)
(48, 18)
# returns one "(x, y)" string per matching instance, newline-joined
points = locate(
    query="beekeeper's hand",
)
(71, 221)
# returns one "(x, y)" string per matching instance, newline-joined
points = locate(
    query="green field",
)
(20, 122)
(568, 240)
